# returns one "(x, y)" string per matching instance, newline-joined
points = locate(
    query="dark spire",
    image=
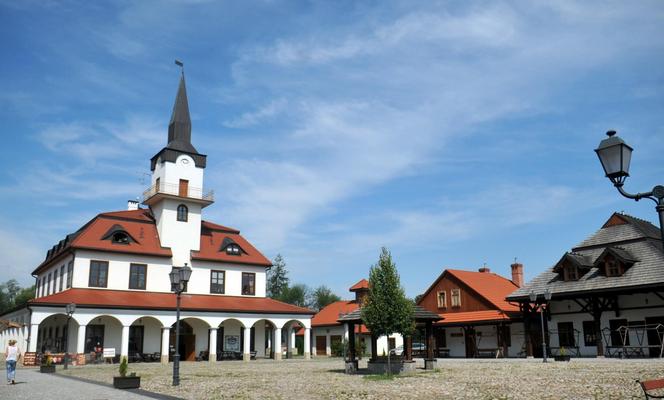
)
(179, 129)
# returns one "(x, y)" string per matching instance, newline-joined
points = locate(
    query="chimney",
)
(517, 274)
(484, 269)
(132, 205)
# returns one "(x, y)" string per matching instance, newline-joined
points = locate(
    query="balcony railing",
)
(175, 190)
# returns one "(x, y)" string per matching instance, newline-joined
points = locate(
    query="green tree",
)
(387, 309)
(323, 296)
(297, 295)
(24, 296)
(277, 278)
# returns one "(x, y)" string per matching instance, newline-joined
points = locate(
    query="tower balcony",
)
(164, 190)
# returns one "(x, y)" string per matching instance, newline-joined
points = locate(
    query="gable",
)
(471, 300)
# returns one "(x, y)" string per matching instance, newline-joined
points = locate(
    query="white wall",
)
(338, 330)
(157, 279)
(54, 270)
(180, 236)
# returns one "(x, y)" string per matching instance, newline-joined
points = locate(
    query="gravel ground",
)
(453, 379)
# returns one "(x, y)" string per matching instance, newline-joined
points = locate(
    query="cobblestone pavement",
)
(323, 378)
(30, 385)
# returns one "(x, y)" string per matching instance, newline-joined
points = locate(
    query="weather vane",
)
(180, 64)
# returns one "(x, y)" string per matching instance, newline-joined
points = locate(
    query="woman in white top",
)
(12, 355)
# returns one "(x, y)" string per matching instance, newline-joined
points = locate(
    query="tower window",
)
(183, 213)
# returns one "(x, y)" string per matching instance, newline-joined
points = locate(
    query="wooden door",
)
(184, 188)
(189, 347)
(655, 335)
(470, 340)
(321, 344)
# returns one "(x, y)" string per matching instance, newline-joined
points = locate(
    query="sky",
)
(456, 134)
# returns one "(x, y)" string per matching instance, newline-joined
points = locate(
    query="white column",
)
(269, 343)
(34, 331)
(292, 343)
(277, 344)
(80, 340)
(289, 343)
(307, 343)
(165, 338)
(124, 345)
(246, 356)
(328, 346)
(346, 332)
(212, 351)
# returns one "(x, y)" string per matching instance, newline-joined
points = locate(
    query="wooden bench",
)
(489, 353)
(652, 385)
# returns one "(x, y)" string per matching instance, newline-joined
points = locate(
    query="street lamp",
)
(69, 309)
(547, 297)
(179, 277)
(615, 156)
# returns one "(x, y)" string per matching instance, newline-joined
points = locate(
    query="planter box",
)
(47, 369)
(396, 367)
(561, 358)
(126, 382)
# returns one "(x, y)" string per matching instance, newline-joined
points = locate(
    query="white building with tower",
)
(116, 267)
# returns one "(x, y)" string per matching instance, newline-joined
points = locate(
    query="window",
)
(442, 299)
(183, 213)
(612, 267)
(98, 274)
(566, 334)
(248, 283)
(233, 249)
(48, 284)
(136, 335)
(70, 273)
(504, 335)
(589, 334)
(619, 332)
(137, 274)
(571, 273)
(456, 297)
(217, 282)
(38, 287)
(120, 238)
(62, 277)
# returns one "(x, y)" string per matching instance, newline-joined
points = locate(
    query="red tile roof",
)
(492, 287)
(104, 298)
(329, 314)
(140, 225)
(363, 284)
(472, 317)
(212, 236)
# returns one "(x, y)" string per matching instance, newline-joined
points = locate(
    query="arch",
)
(194, 335)
(287, 323)
(182, 213)
(239, 321)
(54, 332)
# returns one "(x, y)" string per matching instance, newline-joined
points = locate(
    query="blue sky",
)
(454, 133)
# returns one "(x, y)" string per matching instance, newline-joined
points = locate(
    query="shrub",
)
(123, 367)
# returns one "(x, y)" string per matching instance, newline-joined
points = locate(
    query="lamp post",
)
(179, 277)
(69, 309)
(547, 297)
(615, 156)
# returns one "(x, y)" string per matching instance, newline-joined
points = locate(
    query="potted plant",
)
(47, 365)
(562, 356)
(126, 382)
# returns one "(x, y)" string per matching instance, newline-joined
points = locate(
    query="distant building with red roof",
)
(477, 320)
(328, 333)
(116, 267)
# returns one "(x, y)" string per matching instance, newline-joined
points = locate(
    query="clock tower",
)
(176, 196)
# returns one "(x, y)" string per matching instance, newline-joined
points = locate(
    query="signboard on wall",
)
(232, 343)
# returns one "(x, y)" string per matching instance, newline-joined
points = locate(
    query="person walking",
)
(12, 355)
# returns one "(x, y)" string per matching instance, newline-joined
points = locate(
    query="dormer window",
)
(572, 266)
(120, 238)
(442, 299)
(118, 235)
(230, 247)
(183, 213)
(614, 261)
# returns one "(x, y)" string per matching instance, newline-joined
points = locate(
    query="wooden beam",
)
(659, 295)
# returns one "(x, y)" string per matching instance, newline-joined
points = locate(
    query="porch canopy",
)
(420, 315)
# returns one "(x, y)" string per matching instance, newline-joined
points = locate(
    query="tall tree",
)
(387, 309)
(323, 296)
(277, 277)
(297, 295)
(12, 296)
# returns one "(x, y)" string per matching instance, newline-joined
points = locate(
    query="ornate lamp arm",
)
(638, 196)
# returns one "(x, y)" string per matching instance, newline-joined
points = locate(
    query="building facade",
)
(607, 293)
(476, 321)
(115, 269)
(328, 334)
